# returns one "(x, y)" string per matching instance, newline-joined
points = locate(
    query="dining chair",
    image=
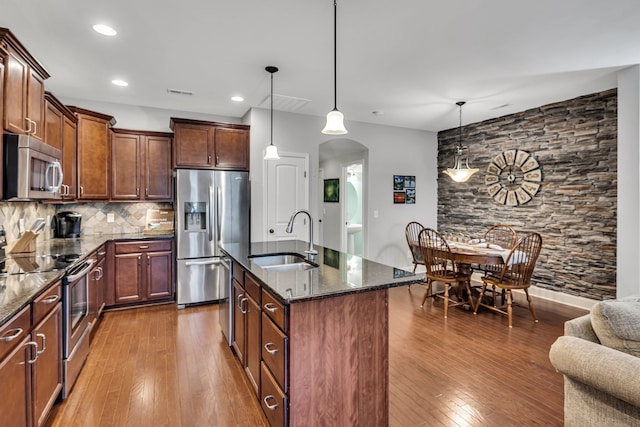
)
(516, 274)
(411, 232)
(441, 267)
(505, 237)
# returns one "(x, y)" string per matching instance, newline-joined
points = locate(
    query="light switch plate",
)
(21, 225)
(110, 217)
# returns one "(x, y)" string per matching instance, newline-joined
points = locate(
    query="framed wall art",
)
(332, 190)
(404, 189)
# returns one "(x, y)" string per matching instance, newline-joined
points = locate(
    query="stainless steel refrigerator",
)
(211, 207)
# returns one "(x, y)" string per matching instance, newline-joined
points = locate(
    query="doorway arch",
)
(344, 223)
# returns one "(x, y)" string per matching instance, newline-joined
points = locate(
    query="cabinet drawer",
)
(273, 401)
(142, 246)
(274, 350)
(274, 310)
(46, 302)
(252, 287)
(238, 273)
(13, 332)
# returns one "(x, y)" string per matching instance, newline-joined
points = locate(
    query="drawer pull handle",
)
(273, 406)
(243, 310)
(15, 333)
(271, 307)
(144, 246)
(51, 299)
(271, 348)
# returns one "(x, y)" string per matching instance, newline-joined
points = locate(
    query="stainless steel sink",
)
(282, 262)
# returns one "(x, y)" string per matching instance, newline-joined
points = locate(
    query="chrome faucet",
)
(289, 229)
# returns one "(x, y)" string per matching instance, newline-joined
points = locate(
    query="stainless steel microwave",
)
(32, 169)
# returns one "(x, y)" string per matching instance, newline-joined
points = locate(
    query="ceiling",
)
(410, 60)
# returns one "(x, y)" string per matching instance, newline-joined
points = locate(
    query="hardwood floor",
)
(159, 366)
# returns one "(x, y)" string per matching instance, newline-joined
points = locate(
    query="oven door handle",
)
(84, 271)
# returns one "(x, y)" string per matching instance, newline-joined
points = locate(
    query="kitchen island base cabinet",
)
(339, 360)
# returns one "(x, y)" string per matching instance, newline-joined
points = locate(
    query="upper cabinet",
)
(210, 145)
(93, 131)
(141, 165)
(60, 132)
(24, 110)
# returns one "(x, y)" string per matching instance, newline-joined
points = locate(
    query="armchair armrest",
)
(612, 371)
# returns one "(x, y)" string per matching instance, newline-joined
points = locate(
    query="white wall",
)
(142, 118)
(391, 151)
(628, 250)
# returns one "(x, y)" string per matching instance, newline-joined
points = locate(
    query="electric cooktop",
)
(23, 263)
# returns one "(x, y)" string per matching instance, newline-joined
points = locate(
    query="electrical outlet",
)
(110, 217)
(21, 225)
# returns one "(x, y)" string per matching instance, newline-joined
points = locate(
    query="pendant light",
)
(272, 150)
(458, 173)
(335, 119)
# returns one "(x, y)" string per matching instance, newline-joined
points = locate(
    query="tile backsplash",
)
(128, 217)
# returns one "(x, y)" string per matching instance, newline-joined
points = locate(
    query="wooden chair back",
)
(437, 256)
(412, 233)
(518, 267)
(503, 235)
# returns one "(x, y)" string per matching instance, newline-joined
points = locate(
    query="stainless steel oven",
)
(75, 321)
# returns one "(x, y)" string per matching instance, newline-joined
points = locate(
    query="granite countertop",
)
(337, 273)
(18, 290)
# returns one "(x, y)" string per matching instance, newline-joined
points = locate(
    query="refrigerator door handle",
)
(218, 198)
(208, 262)
(211, 214)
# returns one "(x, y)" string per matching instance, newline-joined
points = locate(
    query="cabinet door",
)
(15, 94)
(69, 166)
(125, 161)
(2, 60)
(253, 350)
(35, 104)
(159, 274)
(193, 146)
(47, 370)
(158, 168)
(100, 286)
(15, 377)
(232, 149)
(239, 321)
(127, 278)
(53, 126)
(93, 158)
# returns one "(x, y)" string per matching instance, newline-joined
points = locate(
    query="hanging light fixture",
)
(458, 173)
(272, 150)
(335, 119)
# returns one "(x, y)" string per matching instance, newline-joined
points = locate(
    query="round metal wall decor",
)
(513, 177)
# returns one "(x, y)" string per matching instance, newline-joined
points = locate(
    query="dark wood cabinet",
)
(239, 321)
(97, 287)
(24, 78)
(31, 360)
(60, 132)
(142, 271)
(2, 66)
(141, 165)
(93, 139)
(210, 145)
(15, 370)
(47, 370)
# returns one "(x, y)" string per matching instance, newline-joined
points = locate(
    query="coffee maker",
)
(67, 224)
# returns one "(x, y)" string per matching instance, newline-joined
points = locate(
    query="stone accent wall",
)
(575, 143)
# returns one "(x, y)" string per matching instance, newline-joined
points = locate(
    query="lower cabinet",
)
(142, 271)
(31, 361)
(97, 288)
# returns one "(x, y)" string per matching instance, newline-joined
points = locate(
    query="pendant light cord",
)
(335, 55)
(271, 108)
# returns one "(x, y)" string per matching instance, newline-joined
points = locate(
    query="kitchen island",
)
(313, 338)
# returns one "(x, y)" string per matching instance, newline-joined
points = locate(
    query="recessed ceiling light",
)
(105, 30)
(237, 98)
(119, 83)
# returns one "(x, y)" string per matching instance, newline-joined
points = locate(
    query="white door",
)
(287, 191)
